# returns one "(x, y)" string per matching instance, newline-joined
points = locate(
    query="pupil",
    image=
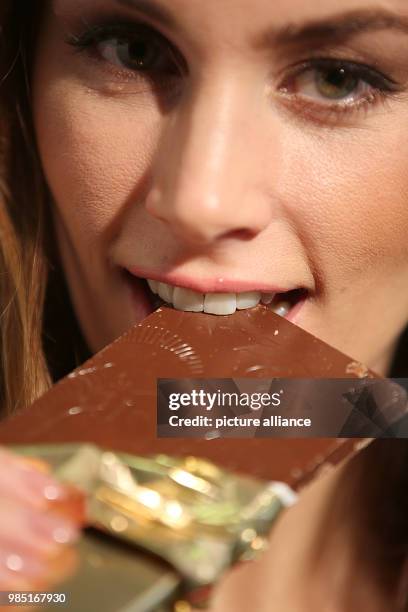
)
(337, 78)
(336, 83)
(138, 53)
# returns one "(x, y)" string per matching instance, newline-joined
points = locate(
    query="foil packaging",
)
(192, 518)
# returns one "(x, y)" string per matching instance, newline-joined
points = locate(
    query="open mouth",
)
(159, 293)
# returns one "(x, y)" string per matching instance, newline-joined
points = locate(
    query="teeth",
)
(267, 298)
(153, 285)
(190, 301)
(282, 309)
(215, 303)
(165, 291)
(220, 303)
(248, 299)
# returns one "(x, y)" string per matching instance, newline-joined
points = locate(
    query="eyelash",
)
(380, 86)
(88, 41)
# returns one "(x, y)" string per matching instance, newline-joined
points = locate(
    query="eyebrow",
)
(338, 27)
(149, 8)
(332, 29)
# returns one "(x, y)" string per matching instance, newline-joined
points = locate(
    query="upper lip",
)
(219, 284)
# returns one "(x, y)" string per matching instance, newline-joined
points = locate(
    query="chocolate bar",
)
(111, 399)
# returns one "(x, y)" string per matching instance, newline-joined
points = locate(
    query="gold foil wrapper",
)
(192, 515)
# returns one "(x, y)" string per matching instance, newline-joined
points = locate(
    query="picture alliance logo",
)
(224, 422)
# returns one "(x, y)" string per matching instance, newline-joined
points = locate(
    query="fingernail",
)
(21, 564)
(43, 486)
(58, 529)
(28, 532)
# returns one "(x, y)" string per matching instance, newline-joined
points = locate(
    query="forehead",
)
(253, 11)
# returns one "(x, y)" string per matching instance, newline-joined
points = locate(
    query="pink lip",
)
(213, 285)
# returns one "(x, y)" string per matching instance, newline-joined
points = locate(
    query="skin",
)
(224, 174)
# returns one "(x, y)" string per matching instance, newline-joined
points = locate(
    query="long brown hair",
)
(23, 268)
(28, 262)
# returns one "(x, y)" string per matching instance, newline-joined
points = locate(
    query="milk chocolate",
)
(111, 399)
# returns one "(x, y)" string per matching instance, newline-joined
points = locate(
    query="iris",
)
(336, 83)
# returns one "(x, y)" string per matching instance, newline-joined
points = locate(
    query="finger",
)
(29, 481)
(26, 529)
(27, 572)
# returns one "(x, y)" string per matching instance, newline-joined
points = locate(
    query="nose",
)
(209, 176)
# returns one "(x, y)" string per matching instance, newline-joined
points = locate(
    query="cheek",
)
(350, 201)
(96, 154)
(345, 190)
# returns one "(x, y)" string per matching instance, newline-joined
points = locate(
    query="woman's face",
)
(227, 147)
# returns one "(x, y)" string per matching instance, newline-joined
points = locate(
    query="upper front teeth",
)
(165, 291)
(220, 303)
(248, 299)
(213, 303)
(185, 299)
